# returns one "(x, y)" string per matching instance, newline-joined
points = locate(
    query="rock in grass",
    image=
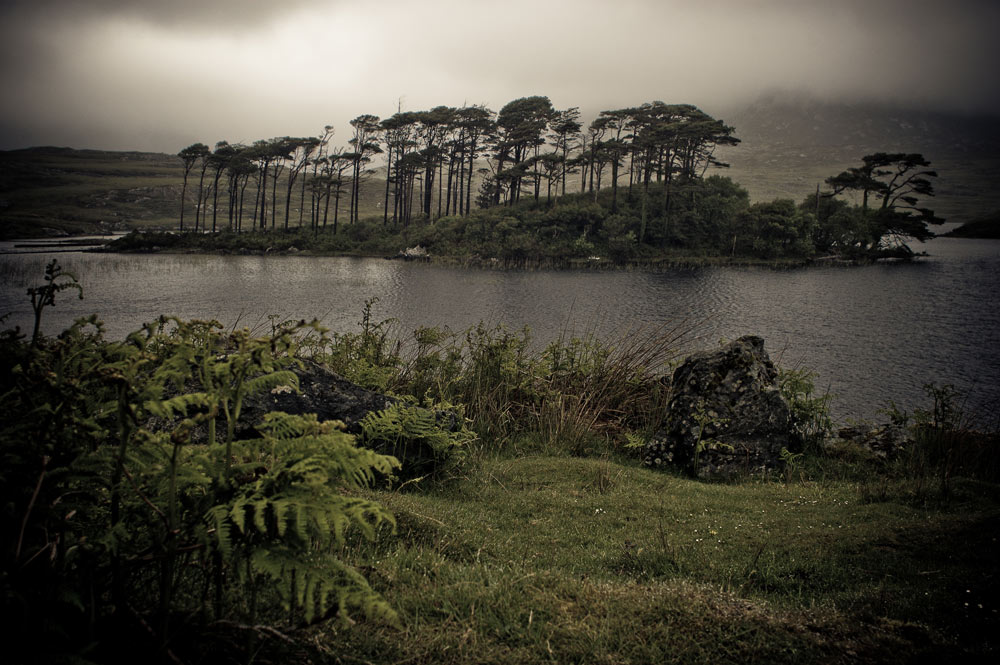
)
(726, 414)
(417, 253)
(426, 442)
(328, 395)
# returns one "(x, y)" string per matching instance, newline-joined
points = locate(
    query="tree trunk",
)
(451, 175)
(614, 183)
(288, 196)
(215, 199)
(274, 197)
(243, 192)
(388, 177)
(326, 209)
(535, 172)
(427, 189)
(336, 208)
(183, 193)
(472, 170)
(460, 199)
(647, 173)
(262, 187)
(440, 179)
(496, 193)
(256, 208)
(201, 189)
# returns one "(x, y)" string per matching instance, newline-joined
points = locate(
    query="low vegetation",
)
(137, 520)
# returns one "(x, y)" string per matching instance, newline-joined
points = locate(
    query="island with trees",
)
(531, 184)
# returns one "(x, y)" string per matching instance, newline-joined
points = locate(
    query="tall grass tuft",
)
(946, 445)
(579, 394)
(575, 393)
(607, 387)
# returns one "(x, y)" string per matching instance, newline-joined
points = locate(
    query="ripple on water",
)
(872, 334)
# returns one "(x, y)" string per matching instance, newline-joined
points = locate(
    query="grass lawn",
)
(562, 559)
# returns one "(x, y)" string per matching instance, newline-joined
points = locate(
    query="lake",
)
(872, 334)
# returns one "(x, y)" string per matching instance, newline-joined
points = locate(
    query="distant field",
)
(50, 191)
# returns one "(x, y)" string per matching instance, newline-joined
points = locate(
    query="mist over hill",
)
(793, 141)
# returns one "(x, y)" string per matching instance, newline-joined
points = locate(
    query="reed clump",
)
(577, 393)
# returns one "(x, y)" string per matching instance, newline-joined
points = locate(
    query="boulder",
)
(332, 397)
(726, 414)
(328, 395)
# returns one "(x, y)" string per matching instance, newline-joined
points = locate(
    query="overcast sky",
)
(162, 74)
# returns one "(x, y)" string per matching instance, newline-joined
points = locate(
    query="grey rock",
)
(331, 397)
(328, 395)
(726, 414)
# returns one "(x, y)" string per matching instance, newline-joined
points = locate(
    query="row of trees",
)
(645, 166)
(435, 159)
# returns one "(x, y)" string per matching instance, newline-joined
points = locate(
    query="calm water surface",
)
(872, 334)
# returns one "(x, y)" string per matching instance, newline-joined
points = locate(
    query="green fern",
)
(293, 514)
(413, 435)
(115, 503)
(319, 586)
(270, 381)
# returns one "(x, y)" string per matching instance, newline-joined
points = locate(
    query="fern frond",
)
(178, 405)
(302, 521)
(218, 518)
(279, 425)
(272, 380)
(238, 514)
(260, 515)
(317, 583)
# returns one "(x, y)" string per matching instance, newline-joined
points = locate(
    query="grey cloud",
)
(56, 59)
(197, 14)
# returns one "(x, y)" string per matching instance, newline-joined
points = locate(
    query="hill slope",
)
(60, 190)
(53, 191)
(792, 142)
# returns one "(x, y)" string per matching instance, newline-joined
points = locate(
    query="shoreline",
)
(651, 264)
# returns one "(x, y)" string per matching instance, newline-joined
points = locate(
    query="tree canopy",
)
(891, 186)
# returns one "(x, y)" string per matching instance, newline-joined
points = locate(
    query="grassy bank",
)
(142, 514)
(542, 558)
(371, 239)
